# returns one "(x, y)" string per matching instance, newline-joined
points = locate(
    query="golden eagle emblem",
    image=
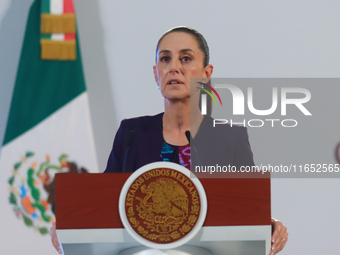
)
(162, 205)
(165, 196)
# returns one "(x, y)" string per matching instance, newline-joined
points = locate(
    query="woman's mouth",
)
(174, 81)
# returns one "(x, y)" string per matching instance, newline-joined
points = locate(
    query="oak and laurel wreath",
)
(165, 237)
(13, 199)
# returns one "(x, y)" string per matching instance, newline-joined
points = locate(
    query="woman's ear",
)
(208, 70)
(155, 74)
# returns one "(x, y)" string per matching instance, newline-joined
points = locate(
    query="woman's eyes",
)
(186, 59)
(182, 59)
(165, 59)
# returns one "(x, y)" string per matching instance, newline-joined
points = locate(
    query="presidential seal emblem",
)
(161, 206)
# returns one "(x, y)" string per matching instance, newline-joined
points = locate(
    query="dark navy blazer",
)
(222, 145)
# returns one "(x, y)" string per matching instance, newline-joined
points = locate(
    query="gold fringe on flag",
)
(57, 24)
(58, 50)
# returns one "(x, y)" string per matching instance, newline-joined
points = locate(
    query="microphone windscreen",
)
(188, 135)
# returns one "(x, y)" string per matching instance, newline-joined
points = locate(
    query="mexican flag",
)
(48, 129)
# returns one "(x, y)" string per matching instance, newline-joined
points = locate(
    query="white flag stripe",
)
(58, 37)
(57, 7)
(69, 130)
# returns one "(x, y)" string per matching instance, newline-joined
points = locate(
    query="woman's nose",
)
(174, 66)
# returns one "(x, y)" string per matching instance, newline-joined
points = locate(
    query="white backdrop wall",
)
(246, 38)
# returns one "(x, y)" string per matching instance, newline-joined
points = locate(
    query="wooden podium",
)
(238, 219)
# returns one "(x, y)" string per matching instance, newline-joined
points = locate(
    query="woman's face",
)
(179, 58)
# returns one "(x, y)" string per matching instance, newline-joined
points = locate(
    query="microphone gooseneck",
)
(193, 150)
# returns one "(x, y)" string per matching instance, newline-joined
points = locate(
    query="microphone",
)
(193, 147)
(131, 139)
(188, 135)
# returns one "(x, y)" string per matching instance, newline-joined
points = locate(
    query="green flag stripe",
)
(45, 36)
(45, 6)
(41, 87)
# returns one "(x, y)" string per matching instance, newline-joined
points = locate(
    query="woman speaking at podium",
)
(182, 53)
